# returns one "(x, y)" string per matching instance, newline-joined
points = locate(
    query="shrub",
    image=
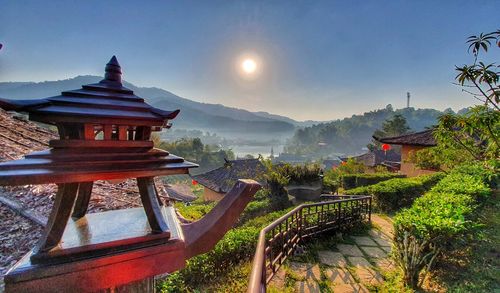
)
(195, 210)
(254, 209)
(436, 221)
(350, 181)
(393, 194)
(331, 183)
(277, 194)
(299, 174)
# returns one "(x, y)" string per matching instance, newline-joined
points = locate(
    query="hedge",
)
(237, 245)
(393, 194)
(436, 221)
(350, 181)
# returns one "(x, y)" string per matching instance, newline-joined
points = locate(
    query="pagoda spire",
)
(113, 71)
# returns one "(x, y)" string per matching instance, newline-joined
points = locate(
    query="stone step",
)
(365, 272)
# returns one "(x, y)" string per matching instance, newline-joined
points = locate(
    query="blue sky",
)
(319, 60)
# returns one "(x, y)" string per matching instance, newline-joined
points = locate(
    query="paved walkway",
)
(353, 266)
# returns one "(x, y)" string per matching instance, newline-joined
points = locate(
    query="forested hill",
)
(351, 135)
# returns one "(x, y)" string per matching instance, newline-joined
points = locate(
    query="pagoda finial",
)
(113, 71)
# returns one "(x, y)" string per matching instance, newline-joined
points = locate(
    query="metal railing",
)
(279, 240)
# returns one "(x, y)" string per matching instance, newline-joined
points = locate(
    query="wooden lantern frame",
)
(105, 133)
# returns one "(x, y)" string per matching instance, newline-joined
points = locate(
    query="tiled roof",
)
(222, 179)
(180, 192)
(422, 138)
(377, 157)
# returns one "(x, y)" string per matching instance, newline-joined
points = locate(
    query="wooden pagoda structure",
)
(105, 134)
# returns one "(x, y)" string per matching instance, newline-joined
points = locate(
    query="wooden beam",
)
(149, 199)
(89, 131)
(108, 131)
(61, 211)
(83, 199)
(122, 132)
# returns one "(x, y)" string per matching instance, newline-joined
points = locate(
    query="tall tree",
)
(394, 126)
(477, 131)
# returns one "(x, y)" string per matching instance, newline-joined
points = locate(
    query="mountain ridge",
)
(199, 115)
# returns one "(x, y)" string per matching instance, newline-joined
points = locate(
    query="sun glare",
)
(249, 66)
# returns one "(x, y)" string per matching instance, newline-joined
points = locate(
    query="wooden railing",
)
(279, 240)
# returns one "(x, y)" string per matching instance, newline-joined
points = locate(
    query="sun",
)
(249, 66)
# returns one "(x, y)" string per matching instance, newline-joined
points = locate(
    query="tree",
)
(481, 79)
(476, 131)
(395, 126)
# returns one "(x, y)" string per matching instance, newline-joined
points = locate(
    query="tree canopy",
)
(394, 126)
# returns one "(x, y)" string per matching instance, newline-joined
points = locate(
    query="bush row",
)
(393, 194)
(350, 181)
(437, 221)
(299, 174)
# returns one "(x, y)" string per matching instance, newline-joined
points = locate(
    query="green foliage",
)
(481, 272)
(394, 126)
(480, 76)
(275, 187)
(439, 158)
(439, 219)
(194, 211)
(299, 174)
(279, 176)
(331, 181)
(192, 149)
(254, 209)
(351, 166)
(364, 179)
(348, 181)
(393, 194)
(475, 132)
(333, 178)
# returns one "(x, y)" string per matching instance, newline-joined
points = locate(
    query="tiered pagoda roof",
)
(104, 133)
(107, 101)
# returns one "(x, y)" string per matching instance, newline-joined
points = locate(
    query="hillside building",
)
(411, 143)
(389, 159)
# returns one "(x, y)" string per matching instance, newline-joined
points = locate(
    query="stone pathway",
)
(346, 267)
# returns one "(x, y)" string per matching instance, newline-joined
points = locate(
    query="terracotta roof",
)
(377, 157)
(422, 138)
(222, 179)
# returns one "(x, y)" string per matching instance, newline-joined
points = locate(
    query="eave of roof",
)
(422, 138)
(222, 179)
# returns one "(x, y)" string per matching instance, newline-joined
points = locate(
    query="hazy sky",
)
(316, 60)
